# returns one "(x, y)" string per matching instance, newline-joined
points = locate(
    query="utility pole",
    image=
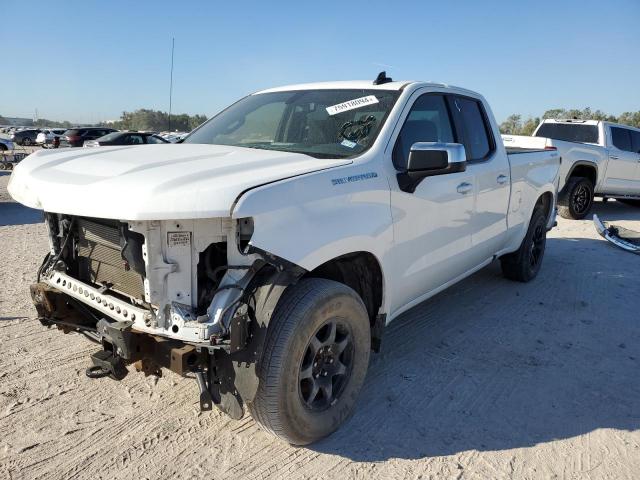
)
(173, 42)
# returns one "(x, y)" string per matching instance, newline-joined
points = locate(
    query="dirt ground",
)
(490, 379)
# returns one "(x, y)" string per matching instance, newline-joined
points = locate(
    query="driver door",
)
(432, 225)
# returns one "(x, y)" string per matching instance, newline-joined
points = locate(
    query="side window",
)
(635, 140)
(134, 140)
(428, 121)
(476, 137)
(621, 138)
(154, 139)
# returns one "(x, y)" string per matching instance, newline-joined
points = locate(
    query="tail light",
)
(550, 148)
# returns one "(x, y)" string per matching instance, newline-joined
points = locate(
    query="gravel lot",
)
(490, 379)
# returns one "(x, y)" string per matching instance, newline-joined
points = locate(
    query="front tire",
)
(524, 264)
(26, 142)
(576, 199)
(314, 362)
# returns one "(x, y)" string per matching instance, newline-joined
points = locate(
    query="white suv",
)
(46, 137)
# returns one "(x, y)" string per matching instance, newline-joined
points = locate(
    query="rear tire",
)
(26, 142)
(314, 362)
(576, 199)
(524, 264)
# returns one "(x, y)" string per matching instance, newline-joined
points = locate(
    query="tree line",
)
(157, 121)
(515, 125)
(142, 119)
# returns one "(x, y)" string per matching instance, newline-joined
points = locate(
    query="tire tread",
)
(296, 301)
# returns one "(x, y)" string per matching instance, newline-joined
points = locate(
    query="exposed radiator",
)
(100, 259)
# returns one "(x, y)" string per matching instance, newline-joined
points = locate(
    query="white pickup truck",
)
(598, 159)
(265, 254)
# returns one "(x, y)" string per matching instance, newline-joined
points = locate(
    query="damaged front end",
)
(188, 295)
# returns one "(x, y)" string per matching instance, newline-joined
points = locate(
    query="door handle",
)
(613, 157)
(464, 187)
(502, 179)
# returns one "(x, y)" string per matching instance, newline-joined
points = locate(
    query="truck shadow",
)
(12, 213)
(492, 364)
(614, 210)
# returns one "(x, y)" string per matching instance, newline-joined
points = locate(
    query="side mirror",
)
(427, 159)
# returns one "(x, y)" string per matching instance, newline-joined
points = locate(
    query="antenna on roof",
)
(382, 78)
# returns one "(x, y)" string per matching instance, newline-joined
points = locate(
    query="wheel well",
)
(545, 201)
(360, 271)
(584, 170)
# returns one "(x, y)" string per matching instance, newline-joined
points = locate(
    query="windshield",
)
(319, 123)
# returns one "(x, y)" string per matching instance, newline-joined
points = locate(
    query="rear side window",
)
(621, 139)
(569, 132)
(154, 139)
(428, 121)
(133, 140)
(474, 128)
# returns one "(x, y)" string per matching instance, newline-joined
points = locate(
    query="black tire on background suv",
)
(524, 264)
(26, 141)
(576, 198)
(314, 361)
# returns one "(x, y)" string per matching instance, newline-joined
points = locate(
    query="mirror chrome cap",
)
(455, 151)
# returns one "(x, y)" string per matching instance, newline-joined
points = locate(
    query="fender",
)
(583, 163)
(311, 219)
(577, 156)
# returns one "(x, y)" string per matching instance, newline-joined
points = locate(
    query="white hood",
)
(151, 182)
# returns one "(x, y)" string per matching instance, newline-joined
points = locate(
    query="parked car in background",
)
(126, 138)
(25, 137)
(599, 159)
(6, 144)
(76, 137)
(45, 137)
(174, 137)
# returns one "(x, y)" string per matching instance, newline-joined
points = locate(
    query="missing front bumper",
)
(627, 240)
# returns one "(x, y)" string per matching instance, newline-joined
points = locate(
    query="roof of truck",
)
(358, 85)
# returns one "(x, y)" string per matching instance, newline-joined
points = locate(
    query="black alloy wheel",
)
(326, 365)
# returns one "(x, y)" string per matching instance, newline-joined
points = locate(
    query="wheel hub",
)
(326, 366)
(324, 363)
(581, 199)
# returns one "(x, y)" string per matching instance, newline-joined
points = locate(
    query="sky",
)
(87, 61)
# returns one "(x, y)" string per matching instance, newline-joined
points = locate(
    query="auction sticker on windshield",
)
(352, 104)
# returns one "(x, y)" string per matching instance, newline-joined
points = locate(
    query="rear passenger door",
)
(622, 170)
(491, 172)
